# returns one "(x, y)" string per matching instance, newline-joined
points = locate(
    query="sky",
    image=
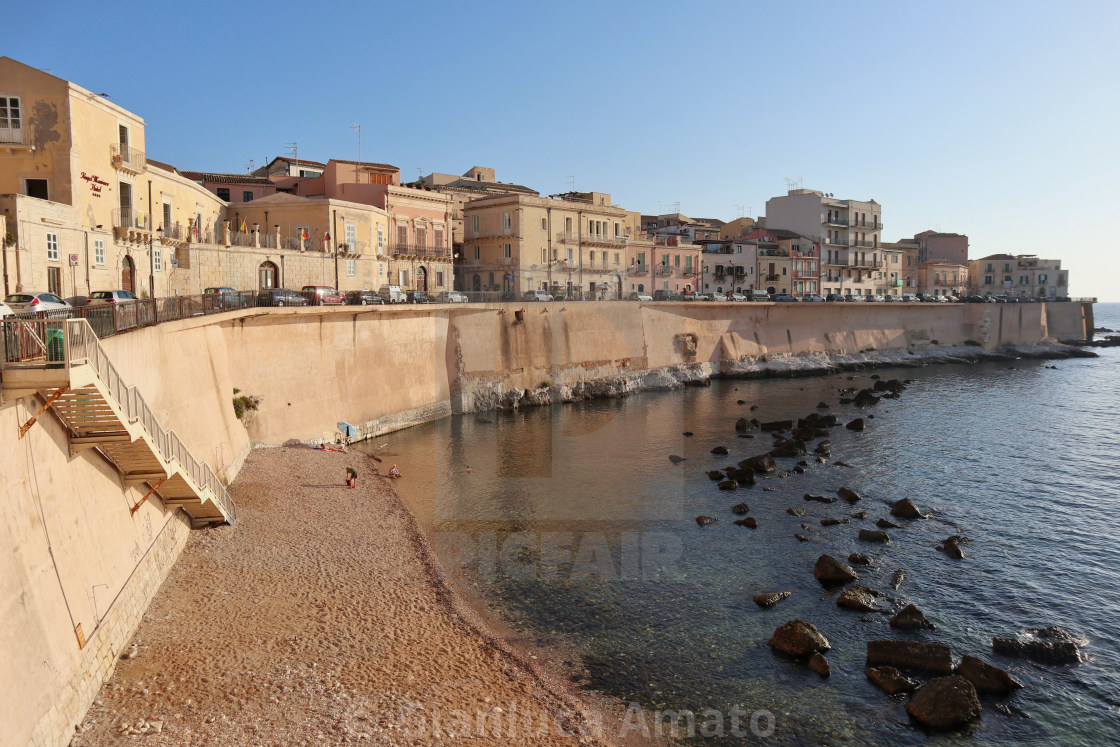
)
(995, 119)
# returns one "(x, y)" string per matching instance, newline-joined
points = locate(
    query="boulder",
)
(891, 681)
(873, 535)
(944, 703)
(795, 511)
(777, 425)
(740, 508)
(860, 598)
(760, 463)
(897, 579)
(933, 657)
(819, 498)
(675, 459)
(799, 470)
(829, 570)
(911, 618)
(741, 475)
(816, 420)
(791, 448)
(819, 664)
(906, 509)
(705, 520)
(808, 433)
(741, 424)
(952, 548)
(799, 638)
(849, 495)
(1048, 645)
(864, 398)
(893, 385)
(859, 515)
(855, 425)
(769, 600)
(801, 538)
(687, 434)
(860, 559)
(884, 524)
(715, 475)
(832, 522)
(728, 485)
(822, 447)
(822, 405)
(750, 522)
(719, 450)
(986, 678)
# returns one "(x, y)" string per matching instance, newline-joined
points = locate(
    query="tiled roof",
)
(999, 256)
(364, 163)
(162, 165)
(301, 161)
(210, 176)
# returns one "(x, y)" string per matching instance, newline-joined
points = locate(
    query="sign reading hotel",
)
(95, 183)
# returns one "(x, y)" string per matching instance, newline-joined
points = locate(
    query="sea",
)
(572, 527)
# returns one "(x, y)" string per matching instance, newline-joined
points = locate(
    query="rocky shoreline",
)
(765, 366)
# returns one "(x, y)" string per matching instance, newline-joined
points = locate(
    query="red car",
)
(322, 295)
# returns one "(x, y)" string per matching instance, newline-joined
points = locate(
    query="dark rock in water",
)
(819, 664)
(484, 421)
(864, 398)
(750, 522)
(740, 508)
(911, 618)
(795, 512)
(875, 376)
(819, 498)
(944, 703)
(860, 559)
(799, 638)
(746, 435)
(741, 402)
(859, 598)
(855, 425)
(715, 475)
(897, 579)
(741, 424)
(986, 678)
(906, 509)
(873, 535)
(719, 450)
(808, 527)
(790, 448)
(884, 524)
(933, 657)
(1047, 645)
(859, 515)
(675, 459)
(729, 485)
(777, 425)
(802, 463)
(821, 459)
(687, 433)
(705, 520)
(891, 681)
(760, 463)
(822, 405)
(741, 475)
(808, 433)
(823, 446)
(830, 571)
(768, 490)
(754, 407)
(845, 400)
(799, 469)
(952, 548)
(769, 600)
(832, 522)
(849, 495)
(816, 420)
(801, 538)
(842, 464)
(894, 386)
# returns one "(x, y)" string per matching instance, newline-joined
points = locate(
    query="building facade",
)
(942, 277)
(952, 247)
(1022, 276)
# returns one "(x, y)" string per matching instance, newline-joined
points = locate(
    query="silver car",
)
(98, 298)
(32, 303)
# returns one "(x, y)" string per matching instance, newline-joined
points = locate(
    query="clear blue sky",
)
(994, 119)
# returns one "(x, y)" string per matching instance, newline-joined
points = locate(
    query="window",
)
(223, 193)
(616, 258)
(616, 229)
(474, 223)
(989, 267)
(351, 267)
(591, 257)
(439, 238)
(37, 188)
(52, 247)
(351, 236)
(402, 236)
(439, 278)
(380, 239)
(10, 124)
(421, 237)
(99, 251)
(505, 222)
(157, 259)
(1041, 279)
(544, 224)
(246, 196)
(476, 252)
(567, 225)
(507, 250)
(676, 260)
(569, 255)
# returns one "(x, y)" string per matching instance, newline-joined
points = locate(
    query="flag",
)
(303, 235)
(244, 228)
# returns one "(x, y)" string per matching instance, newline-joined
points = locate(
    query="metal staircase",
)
(63, 362)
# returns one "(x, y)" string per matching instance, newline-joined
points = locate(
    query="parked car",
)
(537, 295)
(322, 295)
(736, 297)
(757, 295)
(230, 297)
(452, 297)
(812, 298)
(418, 296)
(392, 294)
(874, 298)
(976, 299)
(280, 297)
(888, 298)
(97, 298)
(639, 296)
(666, 295)
(909, 297)
(696, 297)
(926, 298)
(853, 298)
(834, 298)
(1062, 298)
(363, 298)
(33, 303)
(717, 296)
(784, 298)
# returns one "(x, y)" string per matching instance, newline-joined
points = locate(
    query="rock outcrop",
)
(906, 509)
(799, 639)
(830, 571)
(944, 703)
(769, 600)
(705, 520)
(860, 598)
(891, 681)
(932, 657)
(760, 463)
(849, 495)
(1047, 645)
(986, 678)
(911, 618)
(819, 664)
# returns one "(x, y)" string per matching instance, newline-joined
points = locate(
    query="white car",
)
(452, 297)
(98, 298)
(639, 296)
(537, 295)
(736, 297)
(32, 303)
(717, 296)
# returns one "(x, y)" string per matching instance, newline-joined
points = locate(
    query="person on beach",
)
(351, 477)
(468, 469)
(393, 472)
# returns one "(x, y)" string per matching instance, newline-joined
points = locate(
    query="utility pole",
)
(151, 244)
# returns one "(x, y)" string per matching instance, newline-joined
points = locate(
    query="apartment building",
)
(942, 277)
(729, 266)
(952, 247)
(573, 245)
(476, 183)
(690, 230)
(233, 187)
(1022, 275)
(737, 228)
(787, 262)
(663, 262)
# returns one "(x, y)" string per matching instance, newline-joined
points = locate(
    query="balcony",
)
(127, 158)
(664, 271)
(422, 251)
(637, 270)
(869, 225)
(130, 224)
(835, 220)
(864, 244)
(772, 278)
(13, 139)
(836, 242)
(504, 261)
(569, 237)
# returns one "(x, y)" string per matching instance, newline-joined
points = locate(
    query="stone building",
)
(1022, 275)
(943, 277)
(729, 266)
(937, 245)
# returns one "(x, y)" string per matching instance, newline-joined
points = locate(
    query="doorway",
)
(127, 272)
(421, 279)
(267, 275)
(126, 204)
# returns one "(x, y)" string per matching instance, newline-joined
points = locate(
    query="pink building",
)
(233, 187)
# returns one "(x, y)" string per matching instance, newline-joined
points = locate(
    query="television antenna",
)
(293, 148)
(793, 183)
(358, 129)
(252, 165)
(571, 183)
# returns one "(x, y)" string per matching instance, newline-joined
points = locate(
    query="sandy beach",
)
(320, 618)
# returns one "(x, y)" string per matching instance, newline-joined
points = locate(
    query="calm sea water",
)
(577, 528)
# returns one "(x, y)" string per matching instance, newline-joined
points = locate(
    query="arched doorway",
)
(267, 275)
(476, 283)
(618, 286)
(128, 271)
(421, 279)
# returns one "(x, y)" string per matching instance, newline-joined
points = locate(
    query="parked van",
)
(392, 294)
